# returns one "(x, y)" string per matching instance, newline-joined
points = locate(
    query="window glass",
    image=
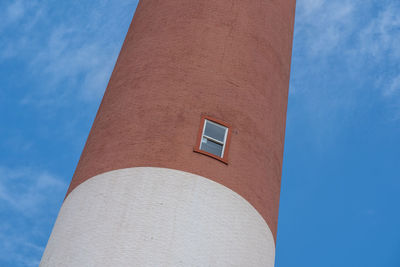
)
(213, 139)
(215, 131)
(211, 147)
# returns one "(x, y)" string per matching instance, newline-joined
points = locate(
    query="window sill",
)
(223, 160)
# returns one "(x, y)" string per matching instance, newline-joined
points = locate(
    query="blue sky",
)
(341, 180)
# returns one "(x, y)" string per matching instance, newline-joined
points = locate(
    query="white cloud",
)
(324, 25)
(309, 6)
(17, 13)
(29, 200)
(25, 190)
(356, 37)
(381, 38)
(394, 87)
(15, 10)
(72, 58)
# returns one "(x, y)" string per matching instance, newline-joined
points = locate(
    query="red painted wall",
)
(229, 59)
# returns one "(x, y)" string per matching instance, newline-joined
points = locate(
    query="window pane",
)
(211, 147)
(215, 131)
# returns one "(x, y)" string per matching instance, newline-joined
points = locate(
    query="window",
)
(213, 139)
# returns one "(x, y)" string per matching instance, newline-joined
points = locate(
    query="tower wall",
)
(181, 59)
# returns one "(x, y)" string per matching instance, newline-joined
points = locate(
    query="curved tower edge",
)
(150, 216)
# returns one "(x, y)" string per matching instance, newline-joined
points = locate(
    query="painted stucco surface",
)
(229, 59)
(157, 217)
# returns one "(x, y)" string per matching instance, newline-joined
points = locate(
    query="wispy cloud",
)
(379, 41)
(27, 209)
(381, 37)
(71, 58)
(394, 87)
(324, 25)
(15, 10)
(335, 35)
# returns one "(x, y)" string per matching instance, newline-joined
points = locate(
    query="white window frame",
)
(212, 139)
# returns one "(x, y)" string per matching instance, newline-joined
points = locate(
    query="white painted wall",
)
(157, 217)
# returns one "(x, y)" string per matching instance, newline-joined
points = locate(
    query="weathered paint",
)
(229, 59)
(157, 217)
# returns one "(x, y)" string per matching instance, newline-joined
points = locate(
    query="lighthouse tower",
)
(182, 165)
